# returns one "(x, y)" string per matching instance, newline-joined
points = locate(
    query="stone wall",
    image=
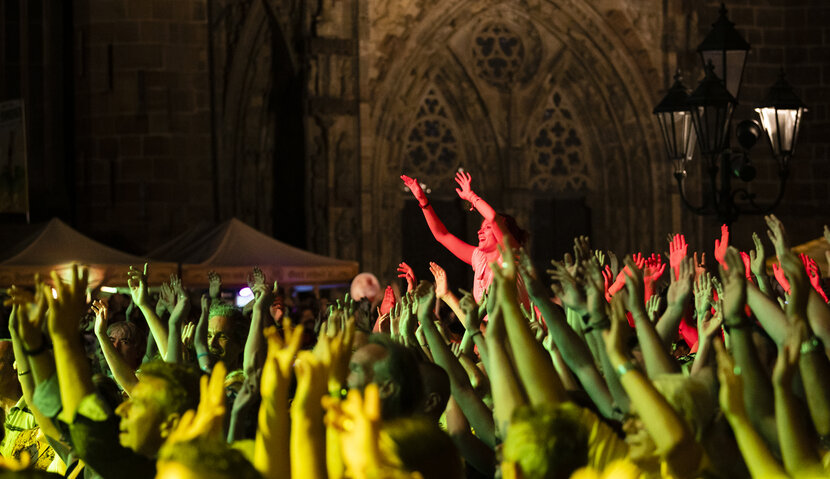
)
(142, 119)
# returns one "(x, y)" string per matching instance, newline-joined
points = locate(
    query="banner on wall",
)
(14, 181)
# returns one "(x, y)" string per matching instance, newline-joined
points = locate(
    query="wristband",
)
(810, 345)
(625, 367)
(201, 355)
(23, 373)
(472, 335)
(36, 351)
(473, 202)
(424, 206)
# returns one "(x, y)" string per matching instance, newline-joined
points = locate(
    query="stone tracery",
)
(432, 146)
(558, 160)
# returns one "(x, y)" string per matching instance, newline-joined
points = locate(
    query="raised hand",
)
(441, 286)
(708, 325)
(31, 313)
(747, 265)
(100, 310)
(388, 301)
(416, 190)
(681, 286)
(334, 354)
(256, 277)
(566, 287)
(464, 191)
(814, 273)
(600, 257)
(357, 420)
(312, 376)
(734, 287)
(424, 296)
(758, 257)
(167, 298)
(215, 284)
(781, 277)
(188, 331)
(405, 271)
(263, 295)
(470, 308)
(66, 309)
(635, 286)
(582, 249)
(613, 263)
(677, 252)
(137, 282)
(276, 373)
(700, 266)
(654, 268)
(639, 260)
(182, 302)
(653, 307)
(798, 281)
(722, 245)
(777, 234)
(703, 294)
(208, 419)
(594, 284)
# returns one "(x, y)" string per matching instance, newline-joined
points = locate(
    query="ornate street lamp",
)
(710, 107)
(676, 125)
(780, 114)
(727, 50)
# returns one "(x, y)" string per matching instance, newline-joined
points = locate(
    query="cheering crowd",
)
(627, 367)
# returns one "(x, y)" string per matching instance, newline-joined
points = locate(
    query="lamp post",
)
(706, 115)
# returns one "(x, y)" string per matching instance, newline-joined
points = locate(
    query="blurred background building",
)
(146, 117)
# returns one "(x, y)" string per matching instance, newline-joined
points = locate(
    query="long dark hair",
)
(521, 236)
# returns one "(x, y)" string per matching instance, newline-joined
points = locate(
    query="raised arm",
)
(758, 264)
(507, 391)
(757, 456)
(64, 318)
(271, 447)
(465, 192)
(655, 356)
(532, 363)
(26, 312)
(573, 350)
(813, 363)
(675, 443)
(308, 437)
(137, 281)
(121, 371)
(461, 389)
(442, 290)
(254, 344)
(200, 336)
(459, 248)
(472, 323)
(677, 299)
(797, 449)
(178, 315)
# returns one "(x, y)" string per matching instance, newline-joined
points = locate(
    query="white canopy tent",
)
(233, 248)
(56, 246)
